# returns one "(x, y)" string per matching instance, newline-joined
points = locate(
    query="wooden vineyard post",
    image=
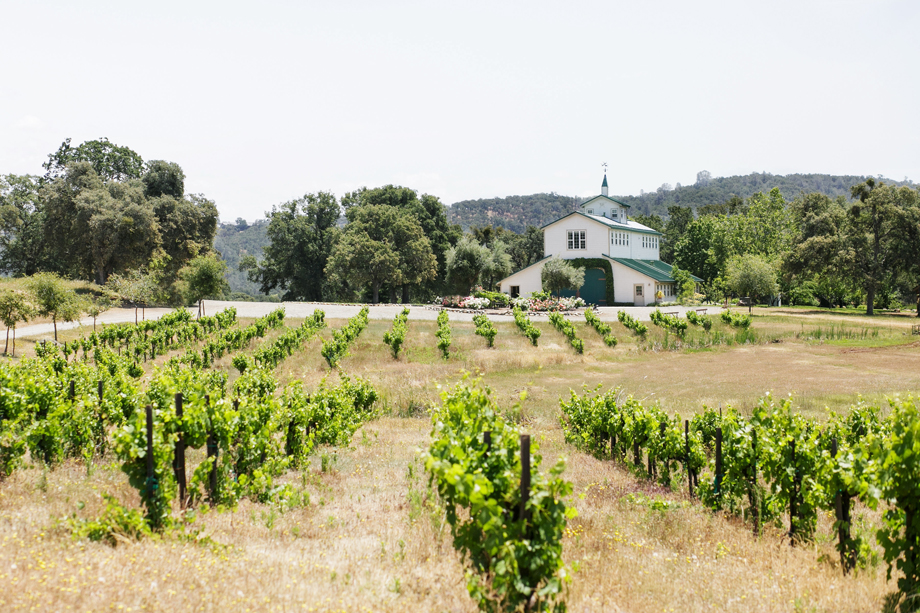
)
(487, 440)
(525, 475)
(212, 453)
(718, 484)
(637, 455)
(151, 476)
(842, 514)
(687, 451)
(792, 495)
(73, 390)
(753, 498)
(99, 388)
(179, 467)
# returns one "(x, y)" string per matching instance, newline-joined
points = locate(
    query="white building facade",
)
(603, 240)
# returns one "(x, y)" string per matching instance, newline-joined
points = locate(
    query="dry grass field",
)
(369, 536)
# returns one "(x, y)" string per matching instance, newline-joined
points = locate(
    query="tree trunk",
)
(94, 323)
(376, 285)
(405, 294)
(54, 321)
(918, 301)
(870, 299)
(7, 347)
(135, 313)
(392, 294)
(14, 341)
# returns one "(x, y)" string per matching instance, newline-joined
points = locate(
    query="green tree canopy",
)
(751, 275)
(907, 243)
(186, 226)
(14, 307)
(109, 161)
(697, 249)
(497, 265)
(381, 245)
(302, 234)
(23, 250)
(871, 231)
(465, 263)
(557, 275)
(204, 278)
(679, 218)
(96, 228)
(815, 264)
(54, 299)
(426, 209)
(164, 179)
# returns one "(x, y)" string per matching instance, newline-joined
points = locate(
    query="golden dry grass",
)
(371, 537)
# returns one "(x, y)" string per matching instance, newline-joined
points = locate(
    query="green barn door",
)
(594, 291)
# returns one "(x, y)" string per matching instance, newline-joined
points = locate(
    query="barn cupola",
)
(604, 186)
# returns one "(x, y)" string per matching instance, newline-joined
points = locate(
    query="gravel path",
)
(300, 310)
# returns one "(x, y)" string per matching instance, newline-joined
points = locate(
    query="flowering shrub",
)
(472, 302)
(551, 303)
(461, 302)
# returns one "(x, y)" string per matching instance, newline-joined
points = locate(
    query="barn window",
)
(576, 239)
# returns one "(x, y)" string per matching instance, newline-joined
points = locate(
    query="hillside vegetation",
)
(515, 213)
(234, 241)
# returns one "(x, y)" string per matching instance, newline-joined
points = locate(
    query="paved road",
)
(333, 311)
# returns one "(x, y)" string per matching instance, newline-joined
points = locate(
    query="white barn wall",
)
(556, 240)
(625, 279)
(528, 279)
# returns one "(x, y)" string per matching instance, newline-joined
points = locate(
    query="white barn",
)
(600, 237)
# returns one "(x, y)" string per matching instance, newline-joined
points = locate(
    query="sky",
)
(262, 102)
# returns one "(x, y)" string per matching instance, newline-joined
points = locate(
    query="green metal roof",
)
(604, 184)
(656, 269)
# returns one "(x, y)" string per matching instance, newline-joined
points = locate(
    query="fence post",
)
(793, 495)
(151, 477)
(842, 513)
(687, 446)
(179, 466)
(718, 484)
(525, 475)
(753, 497)
(212, 453)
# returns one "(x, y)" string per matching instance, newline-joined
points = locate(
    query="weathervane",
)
(605, 167)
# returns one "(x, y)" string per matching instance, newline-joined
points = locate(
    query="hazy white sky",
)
(261, 102)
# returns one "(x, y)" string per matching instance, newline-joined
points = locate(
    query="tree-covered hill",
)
(516, 212)
(708, 190)
(513, 213)
(236, 240)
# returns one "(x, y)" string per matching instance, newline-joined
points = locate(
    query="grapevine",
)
(396, 336)
(565, 326)
(602, 328)
(515, 557)
(523, 322)
(443, 334)
(485, 328)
